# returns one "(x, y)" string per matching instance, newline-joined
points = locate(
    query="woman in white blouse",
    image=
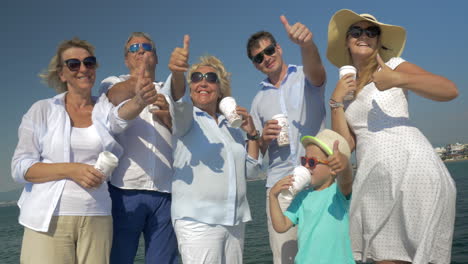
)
(65, 206)
(211, 163)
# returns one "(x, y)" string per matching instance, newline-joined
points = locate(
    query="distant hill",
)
(10, 195)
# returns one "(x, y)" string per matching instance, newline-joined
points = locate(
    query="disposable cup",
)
(106, 163)
(283, 137)
(152, 107)
(301, 176)
(346, 70)
(228, 108)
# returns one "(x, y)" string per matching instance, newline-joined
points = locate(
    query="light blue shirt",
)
(323, 226)
(210, 167)
(303, 104)
(44, 136)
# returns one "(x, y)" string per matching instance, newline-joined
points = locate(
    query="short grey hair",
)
(136, 35)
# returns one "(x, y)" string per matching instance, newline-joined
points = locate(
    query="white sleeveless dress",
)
(403, 205)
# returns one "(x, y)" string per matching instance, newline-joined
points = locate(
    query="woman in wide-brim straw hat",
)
(403, 205)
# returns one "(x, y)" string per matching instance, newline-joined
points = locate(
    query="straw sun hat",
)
(325, 140)
(392, 38)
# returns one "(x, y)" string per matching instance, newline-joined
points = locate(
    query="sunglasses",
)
(270, 50)
(371, 32)
(313, 162)
(136, 47)
(210, 77)
(75, 64)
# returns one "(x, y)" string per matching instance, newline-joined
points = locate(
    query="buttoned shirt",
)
(303, 104)
(44, 136)
(146, 163)
(211, 165)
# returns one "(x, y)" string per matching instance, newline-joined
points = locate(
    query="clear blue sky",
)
(437, 41)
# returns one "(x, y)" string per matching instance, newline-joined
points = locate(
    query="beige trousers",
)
(71, 240)
(283, 245)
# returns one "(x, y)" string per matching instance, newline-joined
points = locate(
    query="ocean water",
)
(256, 248)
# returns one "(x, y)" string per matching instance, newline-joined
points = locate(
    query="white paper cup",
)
(228, 108)
(152, 107)
(106, 163)
(346, 70)
(283, 137)
(302, 178)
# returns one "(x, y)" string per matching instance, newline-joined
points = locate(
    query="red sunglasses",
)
(312, 162)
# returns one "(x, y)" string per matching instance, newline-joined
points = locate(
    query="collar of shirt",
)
(222, 121)
(266, 84)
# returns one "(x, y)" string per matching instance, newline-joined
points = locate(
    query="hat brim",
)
(392, 38)
(307, 140)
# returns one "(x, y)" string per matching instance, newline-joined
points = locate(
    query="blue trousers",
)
(140, 211)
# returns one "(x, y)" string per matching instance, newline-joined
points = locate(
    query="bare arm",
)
(341, 167)
(146, 94)
(302, 36)
(122, 91)
(248, 126)
(338, 118)
(280, 222)
(83, 174)
(178, 65)
(414, 78)
(313, 68)
(340, 126)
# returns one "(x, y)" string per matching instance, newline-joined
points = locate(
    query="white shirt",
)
(75, 200)
(44, 136)
(211, 165)
(147, 161)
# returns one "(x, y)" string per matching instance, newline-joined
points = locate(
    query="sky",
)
(436, 41)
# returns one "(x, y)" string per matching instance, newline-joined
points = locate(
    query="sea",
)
(256, 247)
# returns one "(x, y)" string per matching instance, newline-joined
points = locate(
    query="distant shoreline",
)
(455, 160)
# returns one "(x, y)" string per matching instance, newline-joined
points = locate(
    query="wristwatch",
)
(256, 137)
(334, 104)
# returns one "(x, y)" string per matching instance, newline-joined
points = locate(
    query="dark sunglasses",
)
(75, 64)
(371, 32)
(312, 162)
(136, 47)
(210, 77)
(270, 50)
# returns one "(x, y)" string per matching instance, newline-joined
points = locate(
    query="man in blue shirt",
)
(296, 92)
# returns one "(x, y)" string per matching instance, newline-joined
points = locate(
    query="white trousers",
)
(283, 245)
(209, 244)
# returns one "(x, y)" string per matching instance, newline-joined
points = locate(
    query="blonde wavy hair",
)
(224, 77)
(51, 76)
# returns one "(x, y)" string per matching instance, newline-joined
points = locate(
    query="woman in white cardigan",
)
(65, 206)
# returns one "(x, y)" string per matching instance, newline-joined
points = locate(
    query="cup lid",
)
(279, 116)
(348, 67)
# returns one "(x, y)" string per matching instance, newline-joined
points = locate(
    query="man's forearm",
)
(313, 67)
(121, 91)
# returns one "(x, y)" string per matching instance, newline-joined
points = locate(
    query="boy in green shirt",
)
(321, 211)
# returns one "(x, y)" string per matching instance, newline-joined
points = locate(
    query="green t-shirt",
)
(323, 226)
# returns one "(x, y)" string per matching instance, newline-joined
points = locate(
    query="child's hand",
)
(282, 184)
(338, 162)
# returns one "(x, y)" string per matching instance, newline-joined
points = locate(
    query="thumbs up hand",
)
(337, 162)
(145, 91)
(178, 62)
(385, 78)
(298, 33)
